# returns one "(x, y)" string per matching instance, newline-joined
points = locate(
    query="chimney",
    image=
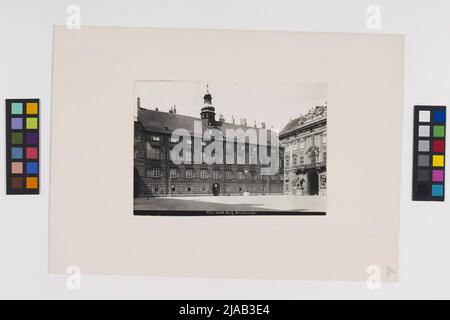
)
(221, 118)
(263, 125)
(233, 120)
(245, 121)
(254, 123)
(171, 110)
(174, 108)
(156, 109)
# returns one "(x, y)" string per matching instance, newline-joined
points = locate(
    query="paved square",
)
(284, 203)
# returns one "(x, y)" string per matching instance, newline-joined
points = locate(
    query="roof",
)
(314, 115)
(159, 121)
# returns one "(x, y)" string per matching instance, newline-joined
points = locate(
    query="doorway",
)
(313, 183)
(216, 189)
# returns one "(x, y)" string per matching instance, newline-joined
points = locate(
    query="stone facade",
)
(305, 153)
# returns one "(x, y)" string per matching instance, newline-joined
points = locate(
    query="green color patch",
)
(17, 138)
(438, 131)
(32, 123)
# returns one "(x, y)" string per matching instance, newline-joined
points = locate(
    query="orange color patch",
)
(32, 108)
(32, 183)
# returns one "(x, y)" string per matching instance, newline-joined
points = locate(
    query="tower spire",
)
(207, 98)
(208, 111)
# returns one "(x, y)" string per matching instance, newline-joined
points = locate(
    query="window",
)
(173, 173)
(313, 141)
(294, 146)
(189, 173)
(302, 160)
(324, 156)
(287, 162)
(172, 187)
(189, 189)
(175, 157)
(229, 174)
(156, 189)
(229, 148)
(188, 156)
(241, 154)
(216, 174)
(152, 153)
(302, 144)
(155, 138)
(240, 175)
(253, 155)
(204, 174)
(154, 172)
(253, 175)
(294, 159)
(324, 139)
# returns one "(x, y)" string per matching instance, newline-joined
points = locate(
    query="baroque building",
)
(158, 172)
(305, 153)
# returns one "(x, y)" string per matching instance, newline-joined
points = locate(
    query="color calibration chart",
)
(22, 146)
(429, 153)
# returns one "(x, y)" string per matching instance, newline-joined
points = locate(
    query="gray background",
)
(25, 61)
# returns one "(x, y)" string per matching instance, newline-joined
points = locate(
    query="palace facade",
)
(157, 174)
(305, 153)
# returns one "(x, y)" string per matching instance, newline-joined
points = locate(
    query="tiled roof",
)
(152, 120)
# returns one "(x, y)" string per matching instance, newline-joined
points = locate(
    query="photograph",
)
(224, 158)
(221, 148)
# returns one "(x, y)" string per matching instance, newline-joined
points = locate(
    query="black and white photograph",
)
(226, 148)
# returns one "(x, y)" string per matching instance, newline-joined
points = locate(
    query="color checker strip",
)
(22, 146)
(429, 153)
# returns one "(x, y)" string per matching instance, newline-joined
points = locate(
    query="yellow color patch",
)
(438, 161)
(32, 108)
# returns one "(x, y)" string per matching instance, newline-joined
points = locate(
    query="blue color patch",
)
(437, 190)
(439, 116)
(17, 153)
(32, 168)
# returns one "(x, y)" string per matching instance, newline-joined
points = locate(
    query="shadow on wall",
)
(139, 186)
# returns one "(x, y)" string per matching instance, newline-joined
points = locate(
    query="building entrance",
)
(313, 183)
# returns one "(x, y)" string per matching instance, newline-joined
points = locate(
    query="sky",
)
(273, 103)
